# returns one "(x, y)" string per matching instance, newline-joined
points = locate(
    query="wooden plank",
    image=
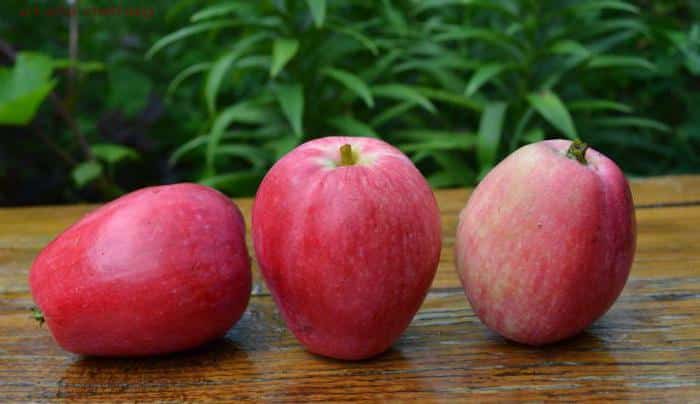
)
(646, 347)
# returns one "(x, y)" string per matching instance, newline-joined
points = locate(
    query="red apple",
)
(347, 235)
(159, 270)
(546, 241)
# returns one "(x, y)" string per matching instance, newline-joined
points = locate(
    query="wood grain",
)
(646, 348)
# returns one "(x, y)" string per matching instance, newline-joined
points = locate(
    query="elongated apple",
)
(347, 235)
(546, 241)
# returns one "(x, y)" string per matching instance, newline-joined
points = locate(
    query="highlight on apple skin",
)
(347, 235)
(545, 244)
(160, 270)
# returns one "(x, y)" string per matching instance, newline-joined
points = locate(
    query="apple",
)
(159, 270)
(347, 235)
(545, 244)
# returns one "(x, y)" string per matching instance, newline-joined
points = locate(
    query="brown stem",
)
(53, 146)
(347, 156)
(72, 125)
(72, 51)
(577, 151)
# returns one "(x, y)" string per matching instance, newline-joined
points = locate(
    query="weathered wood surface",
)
(646, 347)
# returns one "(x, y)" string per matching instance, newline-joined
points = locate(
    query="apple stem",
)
(347, 156)
(38, 316)
(577, 151)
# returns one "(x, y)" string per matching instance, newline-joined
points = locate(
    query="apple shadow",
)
(97, 377)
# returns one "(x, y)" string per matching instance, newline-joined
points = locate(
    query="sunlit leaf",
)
(318, 11)
(283, 50)
(291, 100)
(85, 173)
(113, 153)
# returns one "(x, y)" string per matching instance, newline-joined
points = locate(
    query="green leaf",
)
(291, 100)
(482, 76)
(24, 87)
(427, 139)
(187, 147)
(236, 184)
(246, 112)
(597, 5)
(627, 121)
(490, 129)
(450, 98)
(85, 67)
(216, 10)
(553, 110)
(403, 92)
(352, 83)
(223, 64)
(283, 50)
(250, 153)
(189, 31)
(594, 104)
(394, 17)
(113, 153)
(602, 61)
(318, 11)
(507, 7)
(391, 113)
(86, 172)
(495, 38)
(569, 47)
(185, 74)
(358, 36)
(534, 135)
(282, 146)
(350, 126)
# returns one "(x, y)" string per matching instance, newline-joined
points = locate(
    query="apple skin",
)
(159, 270)
(545, 243)
(348, 252)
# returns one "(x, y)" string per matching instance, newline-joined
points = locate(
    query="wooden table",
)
(646, 347)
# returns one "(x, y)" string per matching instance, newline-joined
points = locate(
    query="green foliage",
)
(24, 87)
(455, 84)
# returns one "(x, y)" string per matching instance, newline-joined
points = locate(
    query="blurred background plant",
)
(227, 88)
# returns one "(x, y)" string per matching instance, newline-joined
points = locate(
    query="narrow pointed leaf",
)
(490, 130)
(352, 83)
(482, 76)
(551, 108)
(291, 100)
(318, 11)
(352, 127)
(403, 92)
(283, 50)
(188, 31)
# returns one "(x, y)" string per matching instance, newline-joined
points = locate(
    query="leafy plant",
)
(455, 84)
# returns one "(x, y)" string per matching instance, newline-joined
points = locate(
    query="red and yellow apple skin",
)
(159, 270)
(348, 251)
(545, 243)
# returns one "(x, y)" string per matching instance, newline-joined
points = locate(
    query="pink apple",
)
(546, 241)
(159, 270)
(347, 235)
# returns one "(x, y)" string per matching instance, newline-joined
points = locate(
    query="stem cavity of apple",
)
(577, 151)
(347, 156)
